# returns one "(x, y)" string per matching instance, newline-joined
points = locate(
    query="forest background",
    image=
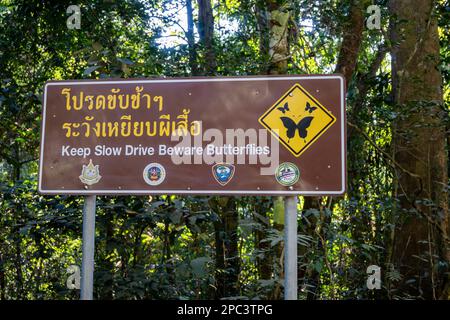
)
(394, 215)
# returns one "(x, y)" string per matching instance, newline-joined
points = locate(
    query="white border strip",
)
(235, 192)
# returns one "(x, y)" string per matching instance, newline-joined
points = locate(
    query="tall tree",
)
(226, 236)
(226, 245)
(191, 38)
(351, 41)
(279, 16)
(352, 37)
(206, 31)
(421, 247)
(262, 18)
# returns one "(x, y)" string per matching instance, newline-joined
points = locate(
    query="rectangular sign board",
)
(266, 135)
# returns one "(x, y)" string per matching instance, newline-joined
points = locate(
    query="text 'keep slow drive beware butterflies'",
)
(297, 119)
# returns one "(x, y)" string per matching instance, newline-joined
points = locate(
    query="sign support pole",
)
(87, 264)
(290, 248)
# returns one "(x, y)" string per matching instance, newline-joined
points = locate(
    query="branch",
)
(351, 42)
(362, 83)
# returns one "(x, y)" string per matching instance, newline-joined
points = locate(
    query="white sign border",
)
(180, 192)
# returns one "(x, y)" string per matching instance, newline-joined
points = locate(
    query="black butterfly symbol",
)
(284, 108)
(292, 127)
(309, 108)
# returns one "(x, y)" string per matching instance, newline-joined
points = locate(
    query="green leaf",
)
(175, 216)
(318, 266)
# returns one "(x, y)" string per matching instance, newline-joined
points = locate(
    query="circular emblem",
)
(154, 174)
(287, 174)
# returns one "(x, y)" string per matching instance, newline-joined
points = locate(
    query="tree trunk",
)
(346, 65)
(227, 253)
(206, 31)
(279, 15)
(191, 39)
(109, 284)
(18, 237)
(262, 18)
(263, 205)
(308, 275)
(351, 41)
(264, 263)
(420, 248)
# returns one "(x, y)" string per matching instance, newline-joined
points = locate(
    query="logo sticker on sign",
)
(287, 174)
(90, 174)
(297, 119)
(223, 172)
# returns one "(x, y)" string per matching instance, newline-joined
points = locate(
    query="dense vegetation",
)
(394, 215)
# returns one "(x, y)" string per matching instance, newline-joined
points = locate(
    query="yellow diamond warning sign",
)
(297, 119)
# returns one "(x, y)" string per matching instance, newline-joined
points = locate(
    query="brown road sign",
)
(279, 135)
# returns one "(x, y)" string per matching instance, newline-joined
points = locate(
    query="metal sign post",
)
(87, 264)
(290, 248)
